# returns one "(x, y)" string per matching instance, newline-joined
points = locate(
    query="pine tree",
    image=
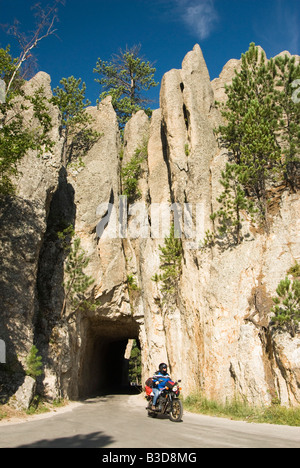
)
(252, 124)
(77, 281)
(34, 363)
(287, 305)
(75, 122)
(289, 128)
(135, 364)
(131, 174)
(233, 201)
(125, 78)
(170, 264)
(260, 159)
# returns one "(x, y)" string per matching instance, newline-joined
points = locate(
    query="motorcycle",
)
(168, 402)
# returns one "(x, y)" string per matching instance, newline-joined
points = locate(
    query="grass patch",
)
(237, 410)
(38, 406)
(8, 412)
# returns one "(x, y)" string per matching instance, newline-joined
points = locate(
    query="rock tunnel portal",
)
(103, 364)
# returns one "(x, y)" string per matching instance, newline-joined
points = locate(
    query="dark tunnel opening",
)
(104, 364)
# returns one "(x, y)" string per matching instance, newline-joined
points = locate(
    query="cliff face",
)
(214, 335)
(23, 223)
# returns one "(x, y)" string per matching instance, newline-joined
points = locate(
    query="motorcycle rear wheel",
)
(177, 411)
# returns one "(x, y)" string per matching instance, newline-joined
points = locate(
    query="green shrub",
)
(131, 174)
(34, 363)
(170, 265)
(287, 306)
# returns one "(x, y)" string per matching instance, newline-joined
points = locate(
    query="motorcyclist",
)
(159, 379)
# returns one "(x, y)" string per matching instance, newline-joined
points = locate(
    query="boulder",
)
(22, 399)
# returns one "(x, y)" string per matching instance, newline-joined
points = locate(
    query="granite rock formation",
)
(215, 335)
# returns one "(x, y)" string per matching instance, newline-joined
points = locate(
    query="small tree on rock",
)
(78, 137)
(233, 201)
(125, 78)
(252, 122)
(34, 363)
(77, 282)
(287, 305)
(170, 265)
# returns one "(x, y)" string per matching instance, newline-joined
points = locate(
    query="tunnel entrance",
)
(104, 363)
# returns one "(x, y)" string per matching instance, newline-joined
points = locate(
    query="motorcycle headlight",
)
(175, 388)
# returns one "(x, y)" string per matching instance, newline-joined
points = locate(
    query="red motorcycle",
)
(168, 401)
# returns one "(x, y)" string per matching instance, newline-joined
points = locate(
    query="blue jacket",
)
(161, 379)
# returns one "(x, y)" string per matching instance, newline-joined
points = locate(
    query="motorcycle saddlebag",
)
(149, 382)
(148, 386)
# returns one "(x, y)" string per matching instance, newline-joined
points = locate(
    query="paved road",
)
(120, 421)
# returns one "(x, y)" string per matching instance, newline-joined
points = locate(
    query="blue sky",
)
(166, 30)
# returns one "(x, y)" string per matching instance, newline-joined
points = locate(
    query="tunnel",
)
(103, 366)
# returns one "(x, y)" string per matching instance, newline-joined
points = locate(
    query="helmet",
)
(163, 368)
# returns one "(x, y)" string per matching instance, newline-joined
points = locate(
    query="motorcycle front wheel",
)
(177, 411)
